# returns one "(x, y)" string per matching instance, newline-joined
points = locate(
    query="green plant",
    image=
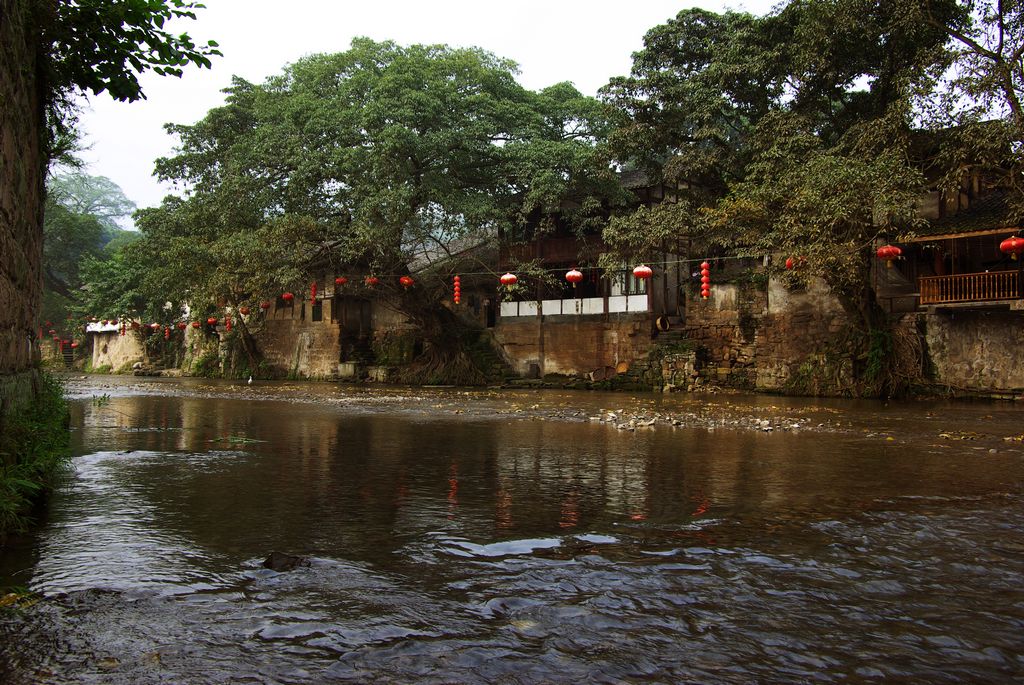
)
(207, 365)
(34, 450)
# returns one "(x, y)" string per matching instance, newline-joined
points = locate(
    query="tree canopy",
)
(373, 160)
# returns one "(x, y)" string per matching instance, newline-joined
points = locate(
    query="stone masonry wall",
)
(297, 346)
(21, 196)
(116, 351)
(976, 351)
(760, 338)
(571, 345)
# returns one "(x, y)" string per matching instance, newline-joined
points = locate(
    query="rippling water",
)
(522, 538)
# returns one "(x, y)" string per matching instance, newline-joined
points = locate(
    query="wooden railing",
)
(981, 287)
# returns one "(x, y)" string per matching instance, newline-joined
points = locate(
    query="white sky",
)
(586, 43)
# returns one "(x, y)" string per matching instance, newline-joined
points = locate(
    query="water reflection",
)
(521, 543)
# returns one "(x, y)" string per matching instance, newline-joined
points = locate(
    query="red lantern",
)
(52, 332)
(574, 276)
(371, 281)
(182, 325)
(406, 281)
(340, 280)
(167, 333)
(264, 306)
(124, 330)
(1013, 246)
(287, 297)
(312, 292)
(889, 253)
(643, 272)
(74, 346)
(705, 280)
(154, 326)
(457, 290)
(212, 321)
(196, 324)
(244, 311)
(509, 279)
(227, 324)
(790, 263)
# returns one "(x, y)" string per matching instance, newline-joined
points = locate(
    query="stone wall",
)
(975, 351)
(115, 351)
(573, 345)
(21, 193)
(294, 345)
(763, 337)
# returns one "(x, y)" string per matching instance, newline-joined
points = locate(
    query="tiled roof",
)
(988, 214)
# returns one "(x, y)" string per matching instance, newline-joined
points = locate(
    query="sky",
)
(585, 42)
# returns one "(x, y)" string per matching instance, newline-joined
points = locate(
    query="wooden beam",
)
(967, 234)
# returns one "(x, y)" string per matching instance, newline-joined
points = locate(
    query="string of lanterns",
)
(1013, 246)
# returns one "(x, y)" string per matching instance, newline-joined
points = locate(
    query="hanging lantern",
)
(312, 292)
(1012, 246)
(227, 324)
(889, 253)
(509, 279)
(790, 263)
(406, 281)
(371, 281)
(643, 272)
(705, 280)
(167, 333)
(457, 290)
(196, 324)
(264, 305)
(574, 276)
(124, 329)
(340, 280)
(287, 297)
(74, 345)
(244, 311)
(212, 321)
(52, 331)
(182, 325)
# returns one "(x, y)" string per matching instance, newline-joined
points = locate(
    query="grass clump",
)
(34, 451)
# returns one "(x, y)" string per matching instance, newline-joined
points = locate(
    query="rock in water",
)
(279, 561)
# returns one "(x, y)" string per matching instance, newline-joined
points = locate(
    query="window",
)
(630, 284)
(318, 311)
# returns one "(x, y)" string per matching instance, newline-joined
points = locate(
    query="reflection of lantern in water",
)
(503, 513)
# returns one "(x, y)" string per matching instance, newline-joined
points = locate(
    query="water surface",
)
(522, 537)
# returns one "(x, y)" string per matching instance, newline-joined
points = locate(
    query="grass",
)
(34, 451)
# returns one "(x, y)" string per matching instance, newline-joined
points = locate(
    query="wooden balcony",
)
(981, 287)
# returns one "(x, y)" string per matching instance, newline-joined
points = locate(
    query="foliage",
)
(95, 196)
(104, 45)
(382, 159)
(34, 449)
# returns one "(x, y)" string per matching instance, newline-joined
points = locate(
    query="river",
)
(496, 536)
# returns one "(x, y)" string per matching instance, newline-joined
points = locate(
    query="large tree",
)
(791, 133)
(373, 160)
